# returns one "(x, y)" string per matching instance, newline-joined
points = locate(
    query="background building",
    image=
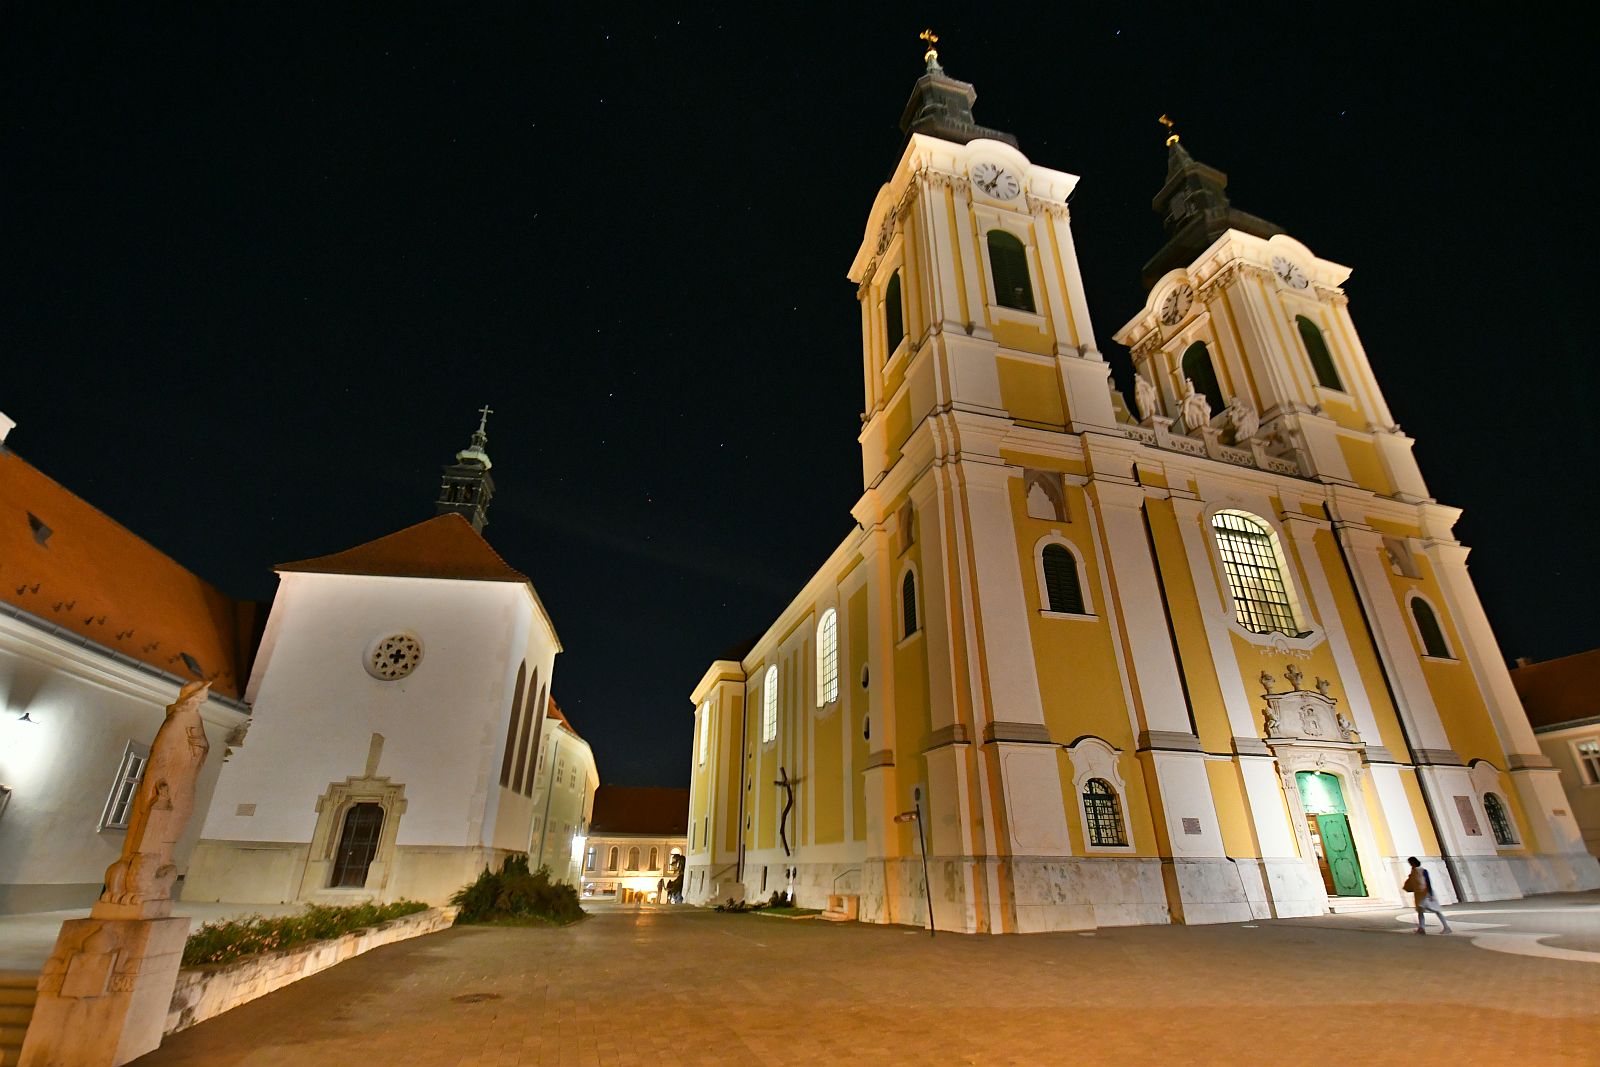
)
(564, 787)
(98, 632)
(633, 838)
(1220, 661)
(1562, 697)
(399, 701)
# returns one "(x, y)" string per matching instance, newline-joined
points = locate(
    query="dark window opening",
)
(192, 663)
(1198, 368)
(1428, 627)
(1008, 263)
(41, 532)
(1061, 581)
(894, 314)
(1317, 349)
(1102, 813)
(358, 845)
(908, 603)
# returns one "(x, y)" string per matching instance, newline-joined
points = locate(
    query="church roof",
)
(553, 711)
(445, 546)
(66, 562)
(620, 809)
(1561, 690)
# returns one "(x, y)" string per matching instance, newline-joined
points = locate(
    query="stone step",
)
(18, 995)
(15, 1014)
(11, 1036)
(19, 979)
(10, 1055)
(1356, 905)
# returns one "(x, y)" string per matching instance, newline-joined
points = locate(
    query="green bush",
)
(513, 893)
(231, 939)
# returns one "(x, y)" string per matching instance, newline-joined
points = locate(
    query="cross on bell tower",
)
(467, 487)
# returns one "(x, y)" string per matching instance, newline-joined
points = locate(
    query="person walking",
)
(1420, 886)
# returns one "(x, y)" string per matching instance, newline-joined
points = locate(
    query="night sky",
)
(259, 268)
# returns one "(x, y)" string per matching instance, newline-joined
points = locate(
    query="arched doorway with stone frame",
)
(352, 849)
(1321, 762)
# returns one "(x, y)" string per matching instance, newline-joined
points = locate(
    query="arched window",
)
(894, 314)
(908, 603)
(1499, 819)
(705, 731)
(611, 859)
(509, 760)
(1061, 580)
(633, 859)
(655, 859)
(1103, 814)
(1260, 597)
(828, 658)
(1433, 643)
(1198, 368)
(769, 705)
(1008, 263)
(533, 710)
(1317, 349)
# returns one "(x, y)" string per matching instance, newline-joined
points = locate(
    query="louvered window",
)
(1008, 262)
(1260, 598)
(1433, 643)
(908, 603)
(1061, 581)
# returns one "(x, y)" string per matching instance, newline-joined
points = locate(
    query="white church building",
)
(397, 703)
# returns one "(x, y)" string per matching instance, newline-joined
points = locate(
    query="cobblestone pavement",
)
(683, 986)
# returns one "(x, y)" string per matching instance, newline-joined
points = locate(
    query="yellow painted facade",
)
(1112, 668)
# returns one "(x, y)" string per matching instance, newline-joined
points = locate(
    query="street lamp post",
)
(915, 815)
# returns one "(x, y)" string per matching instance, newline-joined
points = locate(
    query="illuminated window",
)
(1317, 349)
(828, 658)
(611, 859)
(1433, 643)
(1260, 598)
(893, 313)
(1588, 752)
(125, 787)
(1061, 580)
(655, 860)
(705, 731)
(1499, 819)
(633, 859)
(1103, 814)
(1008, 265)
(1198, 368)
(908, 603)
(769, 705)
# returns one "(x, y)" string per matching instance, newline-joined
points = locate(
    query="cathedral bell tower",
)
(467, 487)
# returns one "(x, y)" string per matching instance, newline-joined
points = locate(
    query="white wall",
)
(444, 725)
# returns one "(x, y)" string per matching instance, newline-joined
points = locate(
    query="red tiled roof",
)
(553, 711)
(649, 810)
(1560, 690)
(93, 577)
(445, 546)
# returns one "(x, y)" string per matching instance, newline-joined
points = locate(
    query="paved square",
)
(682, 986)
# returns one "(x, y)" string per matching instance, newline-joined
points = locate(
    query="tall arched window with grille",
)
(1008, 265)
(1062, 586)
(908, 603)
(633, 859)
(894, 315)
(828, 658)
(509, 760)
(1499, 819)
(611, 859)
(1198, 368)
(1428, 629)
(1317, 350)
(1103, 814)
(1250, 558)
(655, 859)
(769, 705)
(705, 731)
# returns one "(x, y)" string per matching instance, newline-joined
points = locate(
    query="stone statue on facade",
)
(1293, 676)
(1246, 423)
(1144, 397)
(142, 877)
(1267, 681)
(1194, 408)
(1347, 728)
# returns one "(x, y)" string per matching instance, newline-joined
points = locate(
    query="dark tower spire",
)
(1194, 211)
(940, 106)
(467, 486)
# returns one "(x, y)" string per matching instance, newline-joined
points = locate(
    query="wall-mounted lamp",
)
(28, 718)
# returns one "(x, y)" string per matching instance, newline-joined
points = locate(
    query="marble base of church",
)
(279, 872)
(1509, 877)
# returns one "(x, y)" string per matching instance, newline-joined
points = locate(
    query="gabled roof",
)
(622, 809)
(553, 711)
(1560, 690)
(69, 564)
(445, 546)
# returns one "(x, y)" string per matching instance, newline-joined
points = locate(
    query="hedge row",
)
(231, 939)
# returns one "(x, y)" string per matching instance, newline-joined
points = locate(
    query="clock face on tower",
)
(996, 181)
(1289, 272)
(1176, 305)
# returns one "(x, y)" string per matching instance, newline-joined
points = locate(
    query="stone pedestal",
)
(105, 991)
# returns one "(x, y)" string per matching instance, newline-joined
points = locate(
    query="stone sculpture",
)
(1144, 397)
(141, 879)
(1194, 408)
(1246, 423)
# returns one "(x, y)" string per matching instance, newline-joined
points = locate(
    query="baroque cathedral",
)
(1213, 659)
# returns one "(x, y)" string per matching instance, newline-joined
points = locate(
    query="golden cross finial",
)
(483, 417)
(1172, 134)
(931, 56)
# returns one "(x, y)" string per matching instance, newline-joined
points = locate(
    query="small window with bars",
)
(1260, 597)
(1062, 587)
(1588, 752)
(1103, 814)
(119, 805)
(1499, 819)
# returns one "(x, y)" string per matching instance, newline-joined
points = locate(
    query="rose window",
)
(394, 657)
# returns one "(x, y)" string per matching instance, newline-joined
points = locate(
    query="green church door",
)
(1340, 852)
